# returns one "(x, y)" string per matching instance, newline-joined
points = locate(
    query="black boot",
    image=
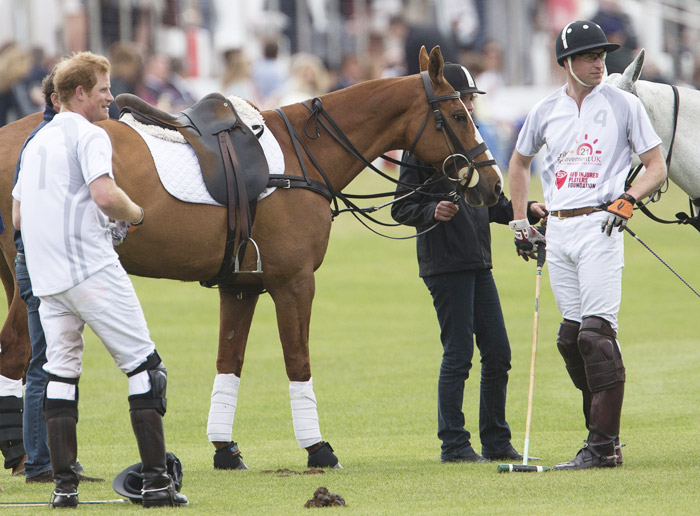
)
(592, 456)
(158, 488)
(63, 448)
(602, 445)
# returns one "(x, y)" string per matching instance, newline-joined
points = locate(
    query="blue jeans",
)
(35, 442)
(467, 305)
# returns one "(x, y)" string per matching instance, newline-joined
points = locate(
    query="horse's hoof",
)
(229, 457)
(323, 457)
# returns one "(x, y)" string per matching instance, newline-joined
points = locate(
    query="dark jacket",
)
(464, 242)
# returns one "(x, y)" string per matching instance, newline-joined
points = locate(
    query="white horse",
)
(658, 100)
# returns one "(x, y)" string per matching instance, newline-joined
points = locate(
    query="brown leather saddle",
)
(230, 156)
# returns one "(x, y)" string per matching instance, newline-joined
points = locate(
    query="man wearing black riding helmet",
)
(454, 260)
(590, 130)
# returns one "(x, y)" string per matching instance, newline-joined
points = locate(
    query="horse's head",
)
(625, 81)
(448, 139)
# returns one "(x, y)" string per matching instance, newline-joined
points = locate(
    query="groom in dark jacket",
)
(454, 260)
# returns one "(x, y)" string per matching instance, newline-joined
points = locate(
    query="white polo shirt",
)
(66, 236)
(589, 152)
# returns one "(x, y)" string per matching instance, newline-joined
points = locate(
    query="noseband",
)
(455, 146)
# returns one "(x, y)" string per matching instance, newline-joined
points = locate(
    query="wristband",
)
(140, 221)
(628, 197)
(519, 224)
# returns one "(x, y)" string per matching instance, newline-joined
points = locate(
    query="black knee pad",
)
(158, 376)
(55, 407)
(567, 343)
(601, 354)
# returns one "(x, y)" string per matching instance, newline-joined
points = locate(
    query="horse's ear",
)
(423, 58)
(634, 69)
(435, 66)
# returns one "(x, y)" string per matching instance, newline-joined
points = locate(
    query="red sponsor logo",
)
(561, 179)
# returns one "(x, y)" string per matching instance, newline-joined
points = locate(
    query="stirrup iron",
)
(237, 265)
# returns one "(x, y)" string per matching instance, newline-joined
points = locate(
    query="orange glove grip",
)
(622, 206)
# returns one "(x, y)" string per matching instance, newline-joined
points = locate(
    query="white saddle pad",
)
(177, 164)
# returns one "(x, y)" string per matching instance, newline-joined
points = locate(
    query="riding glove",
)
(526, 238)
(619, 212)
(119, 230)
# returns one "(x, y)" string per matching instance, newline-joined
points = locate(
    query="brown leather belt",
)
(565, 214)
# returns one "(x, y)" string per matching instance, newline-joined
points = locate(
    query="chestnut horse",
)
(185, 241)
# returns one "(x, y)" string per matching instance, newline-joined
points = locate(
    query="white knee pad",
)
(9, 387)
(224, 397)
(304, 414)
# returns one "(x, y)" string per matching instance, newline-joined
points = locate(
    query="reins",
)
(319, 118)
(681, 217)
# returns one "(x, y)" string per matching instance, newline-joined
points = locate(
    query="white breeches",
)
(585, 267)
(107, 303)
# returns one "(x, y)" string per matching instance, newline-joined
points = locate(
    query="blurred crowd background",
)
(278, 52)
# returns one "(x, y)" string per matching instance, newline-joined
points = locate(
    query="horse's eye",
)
(460, 117)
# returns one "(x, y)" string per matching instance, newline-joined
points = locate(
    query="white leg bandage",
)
(224, 397)
(9, 387)
(304, 414)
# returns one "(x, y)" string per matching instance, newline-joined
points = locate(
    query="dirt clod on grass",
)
(284, 472)
(324, 498)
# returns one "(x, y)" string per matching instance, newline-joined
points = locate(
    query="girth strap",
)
(286, 181)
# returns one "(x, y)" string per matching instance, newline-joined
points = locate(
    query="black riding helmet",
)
(579, 36)
(460, 79)
(130, 481)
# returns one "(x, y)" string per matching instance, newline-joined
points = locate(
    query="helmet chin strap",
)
(571, 71)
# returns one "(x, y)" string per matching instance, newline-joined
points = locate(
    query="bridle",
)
(681, 217)
(464, 161)
(320, 118)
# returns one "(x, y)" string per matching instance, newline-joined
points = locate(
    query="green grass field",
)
(375, 357)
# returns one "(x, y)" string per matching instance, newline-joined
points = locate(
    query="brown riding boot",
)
(63, 448)
(158, 488)
(604, 427)
(606, 410)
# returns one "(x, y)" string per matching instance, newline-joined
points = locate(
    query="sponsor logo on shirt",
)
(584, 153)
(561, 179)
(582, 179)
